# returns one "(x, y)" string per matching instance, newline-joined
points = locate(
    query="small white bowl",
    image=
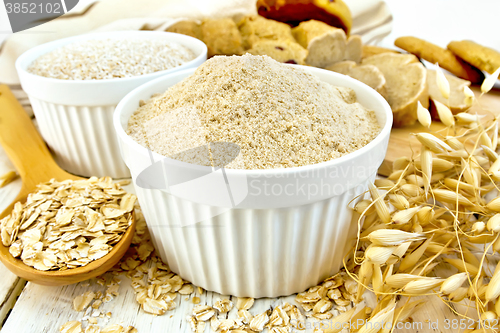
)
(253, 233)
(75, 116)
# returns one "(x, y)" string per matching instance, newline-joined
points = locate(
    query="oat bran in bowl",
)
(75, 83)
(269, 222)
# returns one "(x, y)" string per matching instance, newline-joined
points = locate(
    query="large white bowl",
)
(75, 116)
(254, 233)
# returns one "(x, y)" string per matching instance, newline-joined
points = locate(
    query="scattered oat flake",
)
(244, 303)
(73, 326)
(157, 307)
(82, 301)
(113, 329)
(214, 323)
(186, 289)
(223, 305)
(200, 327)
(93, 329)
(96, 304)
(230, 324)
(130, 329)
(192, 322)
(245, 316)
(203, 312)
(280, 330)
(259, 321)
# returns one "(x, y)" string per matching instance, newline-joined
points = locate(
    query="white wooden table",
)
(29, 308)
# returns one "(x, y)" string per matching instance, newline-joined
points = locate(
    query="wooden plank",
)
(403, 143)
(10, 285)
(44, 309)
(10, 288)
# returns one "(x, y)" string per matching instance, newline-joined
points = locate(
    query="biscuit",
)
(280, 50)
(221, 36)
(326, 45)
(482, 57)
(445, 58)
(256, 28)
(306, 31)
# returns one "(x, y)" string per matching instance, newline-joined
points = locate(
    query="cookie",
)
(482, 57)
(368, 74)
(280, 50)
(445, 58)
(190, 28)
(354, 48)
(256, 28)
(406, 84)
(221, 36)
(370, 50)
(456, 100)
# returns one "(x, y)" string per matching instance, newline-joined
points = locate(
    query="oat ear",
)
(489, 82)
(423, 115)
(442, 82)
(444, 114)
(469, 96)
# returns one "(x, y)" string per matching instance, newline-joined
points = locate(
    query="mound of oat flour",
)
(278, 115)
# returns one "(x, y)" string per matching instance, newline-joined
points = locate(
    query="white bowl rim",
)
(102, 35)
(381, 136)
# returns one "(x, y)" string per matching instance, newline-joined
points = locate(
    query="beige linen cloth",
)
(371, 19)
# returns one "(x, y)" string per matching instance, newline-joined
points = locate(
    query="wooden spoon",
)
(35, 165)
